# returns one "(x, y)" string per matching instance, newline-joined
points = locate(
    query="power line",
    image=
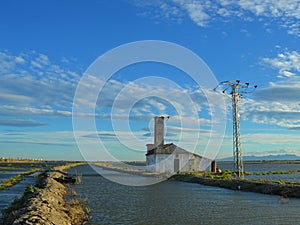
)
(236, 90)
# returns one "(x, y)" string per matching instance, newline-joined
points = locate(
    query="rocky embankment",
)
(285, 190)
(46, 204)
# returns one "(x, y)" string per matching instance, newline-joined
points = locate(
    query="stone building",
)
(170, 158)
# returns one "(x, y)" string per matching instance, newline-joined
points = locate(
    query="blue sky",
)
(46, 46)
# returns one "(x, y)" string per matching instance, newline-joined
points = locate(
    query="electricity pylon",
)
(237, 89)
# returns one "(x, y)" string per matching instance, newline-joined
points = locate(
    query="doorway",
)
(176, 165)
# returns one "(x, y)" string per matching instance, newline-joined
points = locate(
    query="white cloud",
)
(7, 98)
(288, 63)
(7, 62)
(277, 104)
(272, 8)
(159, 10)
(25, 93)
(20, 82)
(286, 13)
(196, 11)
(170, 11)
(43, 59)
(20, 60)
(176, 129)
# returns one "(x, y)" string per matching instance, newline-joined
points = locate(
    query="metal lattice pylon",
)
(237, 89)
(237, 147)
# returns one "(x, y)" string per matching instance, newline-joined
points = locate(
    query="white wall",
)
(187, 163)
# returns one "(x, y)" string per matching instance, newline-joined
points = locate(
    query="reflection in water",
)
(173, 202)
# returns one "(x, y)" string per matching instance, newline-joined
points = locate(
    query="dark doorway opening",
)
(176, 165)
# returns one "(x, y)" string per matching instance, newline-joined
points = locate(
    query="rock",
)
(47, 207)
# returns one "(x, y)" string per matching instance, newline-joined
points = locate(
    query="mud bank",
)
(285, 190)
(46, 204)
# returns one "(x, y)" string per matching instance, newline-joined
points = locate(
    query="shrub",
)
(31, 189)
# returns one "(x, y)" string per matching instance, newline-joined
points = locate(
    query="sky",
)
(48, 47)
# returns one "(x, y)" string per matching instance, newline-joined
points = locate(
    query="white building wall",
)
(204, 165)
(164, 163)
(150, 162)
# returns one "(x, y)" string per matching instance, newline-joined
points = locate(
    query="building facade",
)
(170, 158)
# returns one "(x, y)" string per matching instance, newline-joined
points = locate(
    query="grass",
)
(31, 189)
(78, 177)
(16, 179)
(275, 172)
(228, 174)
(277, 182)
(225, 175)
(11, 182)
(78, 210)
(69, 165)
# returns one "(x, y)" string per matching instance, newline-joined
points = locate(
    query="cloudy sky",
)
(47, 47)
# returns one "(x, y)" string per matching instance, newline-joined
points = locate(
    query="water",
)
(4, 175)
(7, 196)
(11, 169)
(173, 202)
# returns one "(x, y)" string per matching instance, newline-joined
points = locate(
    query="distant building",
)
(170, 158)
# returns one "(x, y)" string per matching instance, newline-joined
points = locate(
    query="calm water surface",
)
(8, 195)
(173, 202)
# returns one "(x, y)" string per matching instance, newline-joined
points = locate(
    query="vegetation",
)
(275, 172)
(227, 179)
(75, 208)
(228, 175)
(69, 165)
(78, 210)
(277, 182)
(31, 189)
(16, 179)
(224, 175)
(8, 213)
(35, 168)
(11, 181)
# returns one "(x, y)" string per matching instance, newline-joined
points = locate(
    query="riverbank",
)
(22, 169)
(129, 169)
(45, 203)
(263, 187)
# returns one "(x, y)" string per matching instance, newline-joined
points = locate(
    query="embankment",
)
(46, 204)
(129, 170)
(285, 190)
